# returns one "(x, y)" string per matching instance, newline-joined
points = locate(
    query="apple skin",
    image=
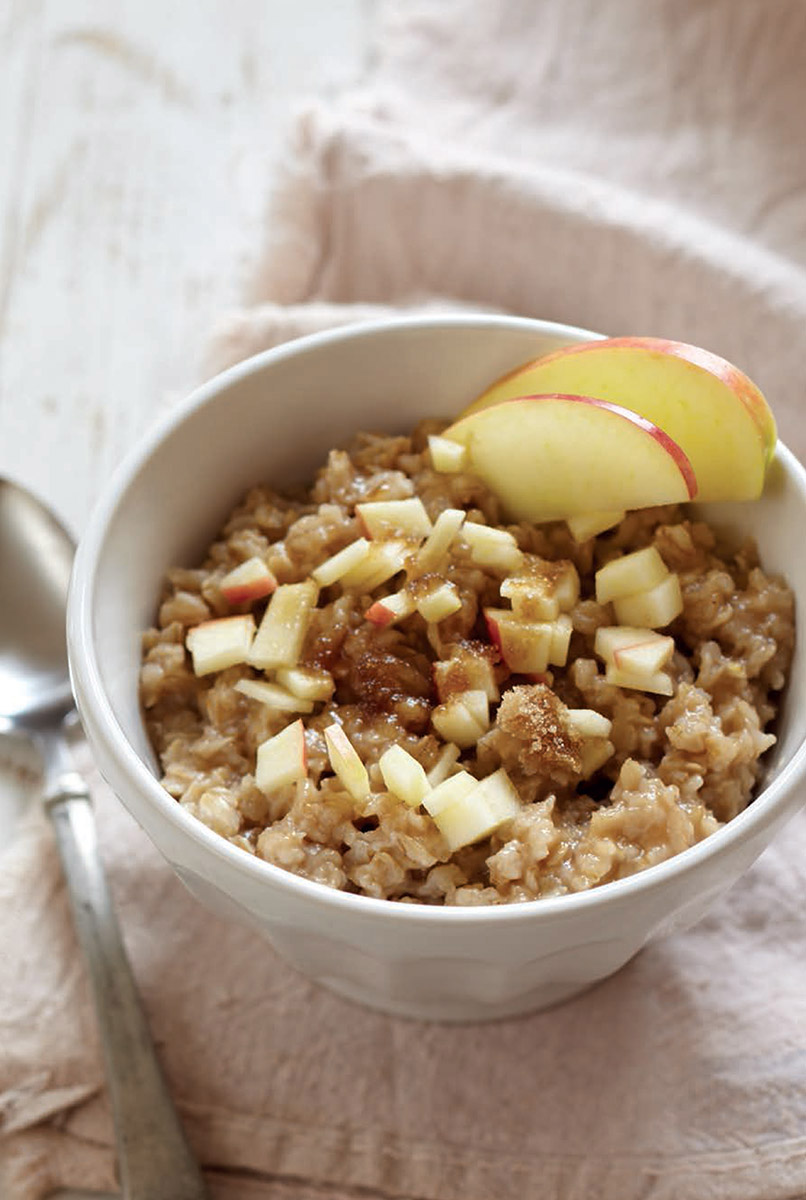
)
(379, 614)
(249, 591)
(720, 407)
(548, 457)
(252, 580)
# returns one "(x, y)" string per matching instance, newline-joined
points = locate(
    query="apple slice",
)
(495, 548)
(439, 540)
(273, 696)
(457, 787)
(588, 723)
(587, 525)
(446, 456)
(525, 646)
(479, 813)
(280, 635)
(631, 573)
(282, 759)
(439, 603)
(463, 718)
(404, 776)
(252, 580)
(216, 645)
(338, 565)
(446, 760)
(392, 608)
(465, 671)
(654, 608)
(659, 682)
(551, 457)
(709, 407)
(308, 683)
(385, 518)
(382, 562)
(345, 762)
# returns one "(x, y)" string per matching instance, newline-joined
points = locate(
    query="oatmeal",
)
(377, 684)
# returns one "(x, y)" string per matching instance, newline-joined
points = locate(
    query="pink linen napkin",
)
(632, 168)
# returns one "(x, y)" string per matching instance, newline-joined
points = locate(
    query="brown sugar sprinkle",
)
(534, 718)
(674, 769)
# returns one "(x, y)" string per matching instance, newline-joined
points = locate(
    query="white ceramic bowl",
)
(274, 418)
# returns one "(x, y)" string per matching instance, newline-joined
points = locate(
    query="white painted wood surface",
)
(137, 144)
(138, 141)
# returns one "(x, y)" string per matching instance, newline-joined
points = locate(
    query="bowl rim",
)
(94, 703)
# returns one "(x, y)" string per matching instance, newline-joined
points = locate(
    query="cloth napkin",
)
(627, 166)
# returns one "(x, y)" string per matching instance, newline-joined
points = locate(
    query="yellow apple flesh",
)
(709, 407)
(551, 457)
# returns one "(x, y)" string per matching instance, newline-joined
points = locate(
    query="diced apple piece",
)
(631, 573)
(586, 525)
(550, 457)
(659, 683)
(566, 587)
(457, 787)
(542, 590)
(645, 658)
(383, 561)
(385, 518)
(588, 723)
(480, 812)
(446, 456)
(392, 608)
(345, 762)
(476, 702)
(463, 718)
(308, 683)
(654, 608)
(336, 567)
(494, 548)
(463, 672)
(531, 605)
(250, 581)
(561, 631)
(711, 409)
(439, 540)
(280, 635)
(216, 645)
(446, 760)
(611, 638)
(525, 647)
(282, 759)
(501, 795)
(273, 696)
(594, 753)
(404, 776)
(439, 603)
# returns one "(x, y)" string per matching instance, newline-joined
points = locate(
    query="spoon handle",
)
(155, 1161)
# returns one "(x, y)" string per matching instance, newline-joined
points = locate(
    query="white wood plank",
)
(140, 153)
(137, 145)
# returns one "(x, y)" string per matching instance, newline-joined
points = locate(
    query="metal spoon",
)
(36, 553)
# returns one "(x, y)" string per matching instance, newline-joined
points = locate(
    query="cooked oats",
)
(675, 768)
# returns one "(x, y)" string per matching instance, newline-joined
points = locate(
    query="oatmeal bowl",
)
(456, 655)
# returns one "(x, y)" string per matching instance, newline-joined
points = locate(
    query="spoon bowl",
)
(36, 553)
